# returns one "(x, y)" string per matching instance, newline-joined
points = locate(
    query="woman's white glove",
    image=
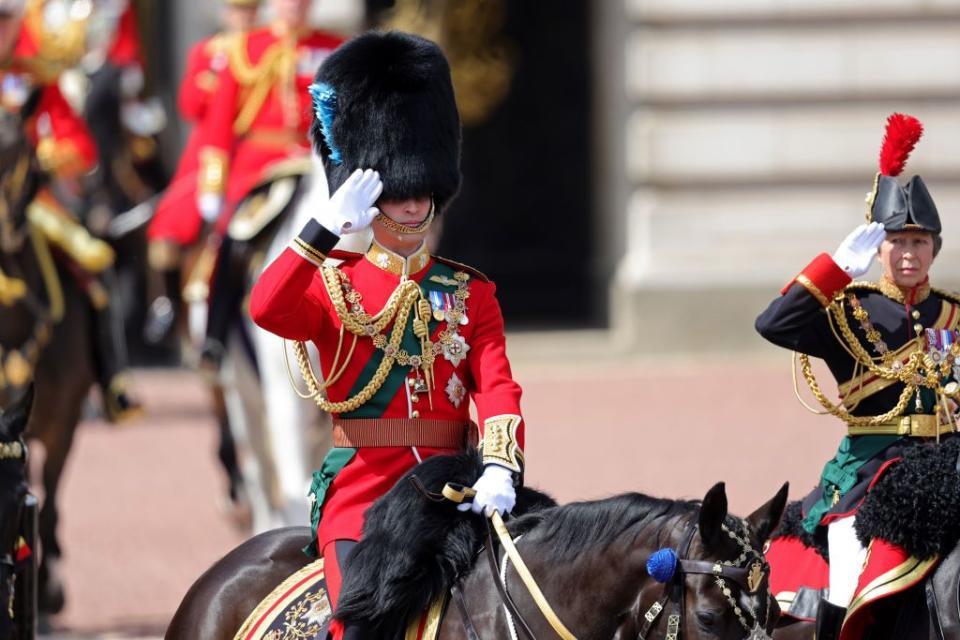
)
(857, 251)
(495, 491)
(350, 208)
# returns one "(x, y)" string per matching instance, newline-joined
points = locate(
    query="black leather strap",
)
(461, 602)
(494, 562)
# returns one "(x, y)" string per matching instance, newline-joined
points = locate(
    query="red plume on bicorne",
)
(900, 138)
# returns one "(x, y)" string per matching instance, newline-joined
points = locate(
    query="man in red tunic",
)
(406, 339)
(259, 116)
(177, 221)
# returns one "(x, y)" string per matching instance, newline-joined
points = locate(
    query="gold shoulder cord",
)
(397, 309)
(909, 374)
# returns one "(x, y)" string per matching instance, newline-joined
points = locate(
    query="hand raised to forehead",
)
(351, 207)
(858, 250)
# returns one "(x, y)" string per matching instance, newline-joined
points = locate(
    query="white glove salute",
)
(350, 208)
(857, 251)
(495, 492)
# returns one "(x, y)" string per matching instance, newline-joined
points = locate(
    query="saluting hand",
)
(350, 208)
(856, 253)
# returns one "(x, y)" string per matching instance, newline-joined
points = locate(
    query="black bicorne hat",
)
(385, 101)
(901, 208)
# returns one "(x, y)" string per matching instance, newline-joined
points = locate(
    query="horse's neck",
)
(590, 592)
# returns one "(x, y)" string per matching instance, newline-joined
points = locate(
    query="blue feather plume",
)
(325, 106)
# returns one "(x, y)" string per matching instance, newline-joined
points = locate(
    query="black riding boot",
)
(829, 620)
(226, 295)
(111, 360)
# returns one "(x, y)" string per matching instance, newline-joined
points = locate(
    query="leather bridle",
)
(748, 572)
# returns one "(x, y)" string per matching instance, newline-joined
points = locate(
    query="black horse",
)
(46, 329)
(915, 505)
(17, 516)
(589, 558)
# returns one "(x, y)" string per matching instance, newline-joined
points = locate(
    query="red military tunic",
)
(177, 218)
(62, 141)
(291, 299)
(261, 111)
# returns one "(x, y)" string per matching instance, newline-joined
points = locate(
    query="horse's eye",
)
(707, 620)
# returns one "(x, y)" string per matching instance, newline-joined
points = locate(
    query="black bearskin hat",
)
(384, 101)
(901, 208)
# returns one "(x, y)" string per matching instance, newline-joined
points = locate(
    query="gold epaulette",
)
(949, 296)
(459, 266)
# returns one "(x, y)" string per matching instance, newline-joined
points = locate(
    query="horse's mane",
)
(413, 550)
(565, 531)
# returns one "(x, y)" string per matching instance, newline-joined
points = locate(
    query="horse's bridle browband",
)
(721, 572)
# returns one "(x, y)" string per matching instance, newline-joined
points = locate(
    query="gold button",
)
(415, 414)
(918, 328)
(411, 382)
(415, 398)
(915, 314)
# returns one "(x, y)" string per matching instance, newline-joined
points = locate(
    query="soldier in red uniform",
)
(259, 116)
(177, 221)
(406, 339)
(65, 150)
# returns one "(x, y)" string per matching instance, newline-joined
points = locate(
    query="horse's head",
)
(13, 455)
(13, 489)
(714, 581)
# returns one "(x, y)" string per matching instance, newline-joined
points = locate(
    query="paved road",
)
(140, 505)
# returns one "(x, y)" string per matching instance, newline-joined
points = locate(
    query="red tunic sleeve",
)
(497, 394)
(289, 297)
(198, 80)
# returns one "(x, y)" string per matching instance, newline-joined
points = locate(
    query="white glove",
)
(350, 208)
(210, 205)
(495, 491)
(857, 251)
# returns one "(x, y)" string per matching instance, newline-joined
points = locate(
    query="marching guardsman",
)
(891, 346)
(259, 115)
(177, 221)
(406, 339)
(64, 150)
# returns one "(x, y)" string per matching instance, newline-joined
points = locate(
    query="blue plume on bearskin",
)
(325, 107)
(662, 565)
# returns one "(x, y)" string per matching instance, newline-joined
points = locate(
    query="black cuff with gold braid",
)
(500, 444)
(314, 242)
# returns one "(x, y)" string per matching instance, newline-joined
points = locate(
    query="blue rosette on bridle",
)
(662, 565)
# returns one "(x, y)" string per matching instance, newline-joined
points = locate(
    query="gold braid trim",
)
(277, 63)
(397, 309)
(915, 373)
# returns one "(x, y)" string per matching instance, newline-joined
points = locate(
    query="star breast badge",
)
(456, 392)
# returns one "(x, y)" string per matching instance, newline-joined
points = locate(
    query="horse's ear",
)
(713, 511)
(765, 520)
